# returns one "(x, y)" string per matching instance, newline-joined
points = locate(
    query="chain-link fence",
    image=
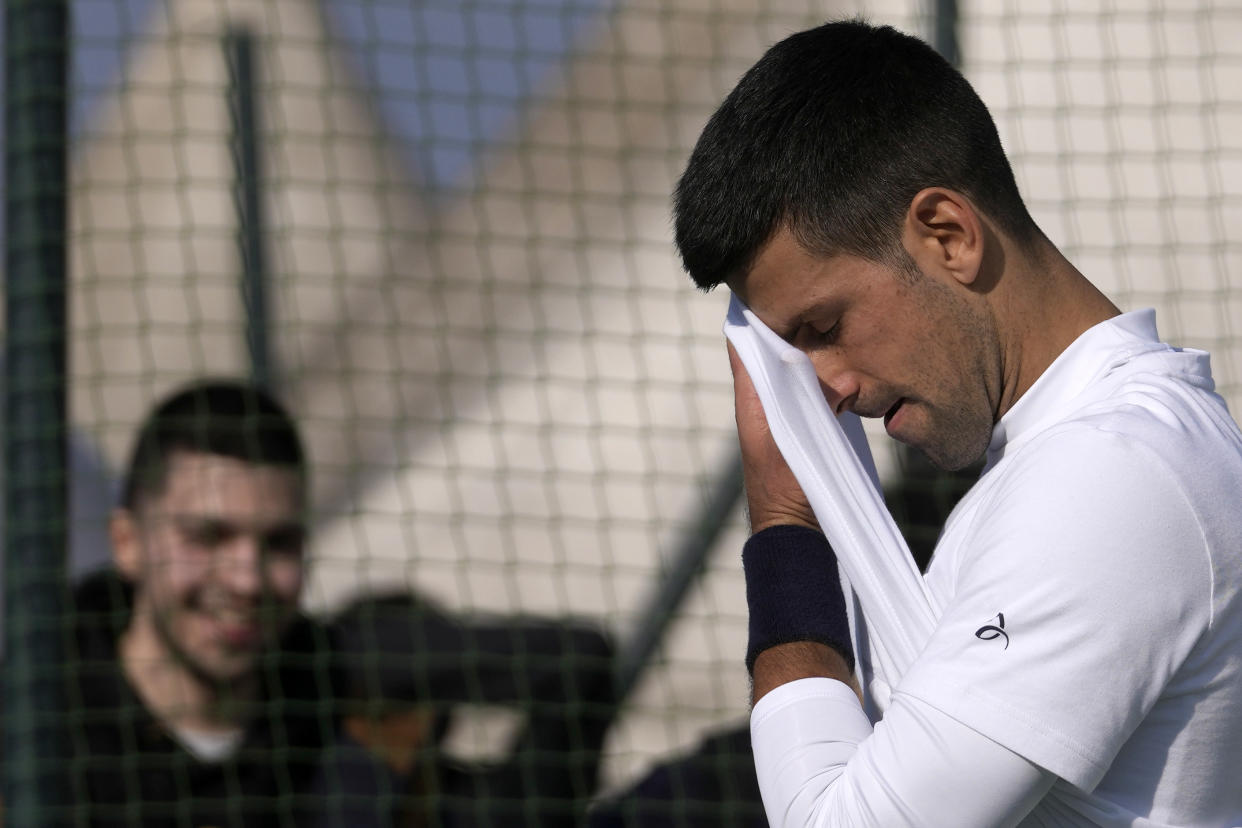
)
(439, 230)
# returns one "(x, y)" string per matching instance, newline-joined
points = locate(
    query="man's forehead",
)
(783, 281)
(228, 482)
(779, 259)
(206, 517)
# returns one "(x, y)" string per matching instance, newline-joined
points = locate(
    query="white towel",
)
(833, 464)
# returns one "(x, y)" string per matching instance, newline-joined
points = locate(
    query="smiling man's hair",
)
(832, 134)
(223, 417)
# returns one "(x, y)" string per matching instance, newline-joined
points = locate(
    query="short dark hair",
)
(832, 134)
(230, 418)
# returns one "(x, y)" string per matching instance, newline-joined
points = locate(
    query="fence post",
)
(36, 433)
(687, 565)
(244, 125)
(944, 31)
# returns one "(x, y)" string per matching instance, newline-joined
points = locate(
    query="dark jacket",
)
(299, 765)
(127, 770)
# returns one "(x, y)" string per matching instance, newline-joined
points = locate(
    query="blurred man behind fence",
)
(200, 695)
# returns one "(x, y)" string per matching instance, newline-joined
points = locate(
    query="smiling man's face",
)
(916, 351)
(216, 558)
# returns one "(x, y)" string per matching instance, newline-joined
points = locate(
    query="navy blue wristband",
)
(794, 592)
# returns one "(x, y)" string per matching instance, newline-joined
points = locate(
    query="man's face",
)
(921, 353)
(217, 561)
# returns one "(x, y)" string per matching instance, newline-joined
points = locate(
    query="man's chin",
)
(950, 460)
(200, 653)
(949, 450)
(222, 671)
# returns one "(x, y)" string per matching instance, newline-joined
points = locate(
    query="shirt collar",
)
(1092, 355)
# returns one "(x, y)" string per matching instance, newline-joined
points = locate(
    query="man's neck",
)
(1047, 305)
(172, 693)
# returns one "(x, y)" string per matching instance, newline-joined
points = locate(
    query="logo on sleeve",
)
(989, 632)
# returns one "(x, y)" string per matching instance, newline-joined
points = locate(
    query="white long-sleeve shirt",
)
(1104, 541)
(819, 763)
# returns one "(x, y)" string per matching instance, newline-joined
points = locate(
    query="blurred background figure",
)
(201, 693)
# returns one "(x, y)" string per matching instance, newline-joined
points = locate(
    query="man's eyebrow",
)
(188, 520)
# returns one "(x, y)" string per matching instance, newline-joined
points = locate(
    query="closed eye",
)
(810, 335)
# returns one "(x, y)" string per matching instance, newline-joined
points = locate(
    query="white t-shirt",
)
(210, 746)
(1092, 629)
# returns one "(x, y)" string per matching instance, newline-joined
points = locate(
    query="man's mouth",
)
(240, 630)
(892, 413)
(240, 635)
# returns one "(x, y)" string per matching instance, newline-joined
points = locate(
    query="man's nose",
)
(240, 566)
(839, 384)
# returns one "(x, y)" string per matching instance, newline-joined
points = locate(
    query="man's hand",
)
(773, 496)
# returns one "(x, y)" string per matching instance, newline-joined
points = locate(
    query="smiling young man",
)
(211, 532)
(853, 192)
(196, 685)
(201, 696)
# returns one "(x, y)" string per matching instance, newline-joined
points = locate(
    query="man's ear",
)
(126, 545)
(944, 234)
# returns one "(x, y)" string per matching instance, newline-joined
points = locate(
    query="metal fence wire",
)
(439, 233)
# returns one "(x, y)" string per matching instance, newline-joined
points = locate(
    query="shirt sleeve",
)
(820, 763)
(1082, 590)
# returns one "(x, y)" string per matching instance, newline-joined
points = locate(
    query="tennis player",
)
(1087, 667)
